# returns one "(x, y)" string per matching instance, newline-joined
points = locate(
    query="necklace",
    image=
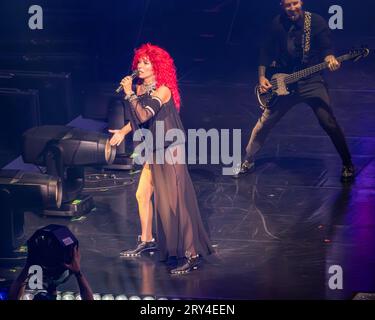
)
(149, 88)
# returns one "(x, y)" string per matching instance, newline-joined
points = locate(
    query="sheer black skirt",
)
(179, 226)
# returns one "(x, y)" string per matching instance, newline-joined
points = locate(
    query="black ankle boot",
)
(348, 173)
(243, 170)
(192, 263)
(142, 246)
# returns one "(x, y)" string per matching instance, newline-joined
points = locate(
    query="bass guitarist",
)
(297, 39)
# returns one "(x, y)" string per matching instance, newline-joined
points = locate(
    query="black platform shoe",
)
(348, 173)
(142, 246)
(192, 263)
(243, 170)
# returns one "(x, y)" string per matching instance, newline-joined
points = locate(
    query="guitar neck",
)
(296, 76)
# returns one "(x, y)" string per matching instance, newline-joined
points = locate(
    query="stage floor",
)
(276, 233)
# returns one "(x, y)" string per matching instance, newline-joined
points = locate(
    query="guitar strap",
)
(306, 38)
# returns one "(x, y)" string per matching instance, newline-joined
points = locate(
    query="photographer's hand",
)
(75, 267)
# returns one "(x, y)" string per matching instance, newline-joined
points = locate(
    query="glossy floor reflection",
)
(276, 233)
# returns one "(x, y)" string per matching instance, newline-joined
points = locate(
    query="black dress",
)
(179, 227)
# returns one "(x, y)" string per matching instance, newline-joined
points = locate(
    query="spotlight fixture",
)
(64, 151)
(19, 192)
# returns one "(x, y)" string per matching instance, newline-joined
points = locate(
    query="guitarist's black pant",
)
(319, 104)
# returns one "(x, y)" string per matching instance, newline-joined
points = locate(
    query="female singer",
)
(179, 229)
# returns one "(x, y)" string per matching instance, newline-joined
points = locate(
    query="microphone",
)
(134, 75)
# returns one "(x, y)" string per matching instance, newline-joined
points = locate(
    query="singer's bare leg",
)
(144, 195)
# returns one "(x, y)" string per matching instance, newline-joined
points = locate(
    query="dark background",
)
(225, 32)
(214, 43)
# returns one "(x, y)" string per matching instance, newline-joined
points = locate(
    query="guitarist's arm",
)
(267, 54)
(264, 83)
(324, 42)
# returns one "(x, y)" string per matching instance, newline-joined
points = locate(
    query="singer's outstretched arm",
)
(126, 129)
(120, 134)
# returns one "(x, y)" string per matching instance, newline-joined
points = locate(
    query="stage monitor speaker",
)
(102, 103)
(98, 98)
(20, 111)
(116, 119)
(55, 92)
(83, 67)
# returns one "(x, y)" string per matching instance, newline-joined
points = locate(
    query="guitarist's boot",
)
(348, 173)
(243, 170)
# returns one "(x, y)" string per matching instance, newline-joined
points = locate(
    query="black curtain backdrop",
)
(192, 30)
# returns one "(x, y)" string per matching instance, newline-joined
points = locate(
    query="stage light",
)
(364, 296)
(65, 151)
(68, 296)
(78, 147)
(3, 294)
(28, 296)
(51, 247)
(97, 296)
(107, 296)
(21, 191)
(32, 190)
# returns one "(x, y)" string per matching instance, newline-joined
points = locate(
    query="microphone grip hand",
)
(131, 78)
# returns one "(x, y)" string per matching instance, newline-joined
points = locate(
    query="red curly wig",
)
(163, 66)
